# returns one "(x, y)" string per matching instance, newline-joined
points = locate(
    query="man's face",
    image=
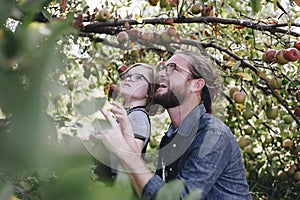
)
(173, 82)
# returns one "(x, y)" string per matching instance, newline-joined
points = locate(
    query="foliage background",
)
(57, 64)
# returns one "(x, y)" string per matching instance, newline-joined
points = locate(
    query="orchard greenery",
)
(59, 64)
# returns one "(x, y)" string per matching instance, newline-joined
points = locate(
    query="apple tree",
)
(77, 49)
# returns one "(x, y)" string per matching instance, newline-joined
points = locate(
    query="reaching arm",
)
(126, 128)
(115, 141)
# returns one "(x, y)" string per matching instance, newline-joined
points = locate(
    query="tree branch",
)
(262, 26)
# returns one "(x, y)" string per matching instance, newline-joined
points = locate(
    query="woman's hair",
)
(151, 80)
(203, 67)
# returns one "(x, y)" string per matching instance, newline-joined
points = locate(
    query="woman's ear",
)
(198, 84)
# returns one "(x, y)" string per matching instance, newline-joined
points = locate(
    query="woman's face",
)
(134, 83)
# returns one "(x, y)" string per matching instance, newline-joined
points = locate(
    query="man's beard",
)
(167, 100)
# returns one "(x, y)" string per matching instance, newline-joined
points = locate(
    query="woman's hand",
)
(112, 138)
(122, 117)
(126, 128)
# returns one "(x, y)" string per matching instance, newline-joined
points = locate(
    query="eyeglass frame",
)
(167, 68)
(123, 77)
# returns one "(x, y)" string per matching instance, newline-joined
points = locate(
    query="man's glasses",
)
(133, 77)
(170, 68)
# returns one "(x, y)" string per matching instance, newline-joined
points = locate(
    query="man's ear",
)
(197, 84)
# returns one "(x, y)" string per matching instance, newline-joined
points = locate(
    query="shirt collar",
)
(188, 124)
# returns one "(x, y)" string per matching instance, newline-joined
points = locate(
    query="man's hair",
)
(202, 67)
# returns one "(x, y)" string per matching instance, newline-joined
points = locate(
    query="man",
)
(197, 148)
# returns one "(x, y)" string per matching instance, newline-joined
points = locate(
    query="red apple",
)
(269, 55)
(290, 169)
(297, 45)
(297, 111)
(153, 2)
(122, 37)
(280, 58)
(171, 31)
(111, 91)
(239, 97)
(134, 34)
(292, 54)
(173, 3)
(146, 36)
(122, 69)
(103, 15)
(232, 90)
(297, 94)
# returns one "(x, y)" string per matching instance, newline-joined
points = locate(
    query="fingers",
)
(107, 116)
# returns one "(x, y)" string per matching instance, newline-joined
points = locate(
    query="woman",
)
(136, 88)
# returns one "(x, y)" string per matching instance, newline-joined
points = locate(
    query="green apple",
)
(196, 8)
(288, 119)
(248, 114)
(243, 141)
(165, 37)
(297, 176)
(275, 82)
(272, 113)
(248, 130)
(280, 57)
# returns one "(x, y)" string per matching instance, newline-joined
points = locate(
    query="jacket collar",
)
(190, 123)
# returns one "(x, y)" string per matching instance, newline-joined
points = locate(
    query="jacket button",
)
(174, 145)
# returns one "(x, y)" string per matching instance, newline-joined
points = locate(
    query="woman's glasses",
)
(133, 77)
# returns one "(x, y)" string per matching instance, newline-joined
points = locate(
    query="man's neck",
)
(179, 113)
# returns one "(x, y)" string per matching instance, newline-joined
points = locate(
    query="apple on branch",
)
(239, 97)
(297, 45)
(292, 54)
(280, 57)
(122, 37)
(269, 55)
(297, 95)
(196, 9)
(276, 82)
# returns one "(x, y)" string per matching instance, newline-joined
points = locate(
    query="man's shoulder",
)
(213, 123)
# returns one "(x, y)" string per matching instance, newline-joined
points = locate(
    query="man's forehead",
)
(183, 59)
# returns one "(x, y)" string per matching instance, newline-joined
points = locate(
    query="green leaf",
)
(255, 5)
(171, 190)
(194, 195)
(89, 107)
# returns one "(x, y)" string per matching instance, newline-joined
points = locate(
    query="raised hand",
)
(125, 126)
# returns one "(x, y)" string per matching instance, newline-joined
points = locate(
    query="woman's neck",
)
(136, 103)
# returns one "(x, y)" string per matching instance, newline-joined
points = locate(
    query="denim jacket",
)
(204, 153)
